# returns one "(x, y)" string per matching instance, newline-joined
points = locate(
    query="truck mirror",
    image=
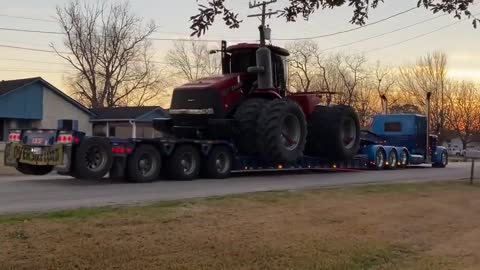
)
(256, 70)
(212, 52)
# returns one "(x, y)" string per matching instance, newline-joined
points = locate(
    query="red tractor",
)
(250, 105)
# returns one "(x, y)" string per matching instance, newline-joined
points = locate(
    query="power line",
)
(33, 61)
(149, 38)
(384, 34)
(35, 70)
(30, 49)
(51, 51)
(27, 18)
(348, 30)
(418, 36)
(234, 40)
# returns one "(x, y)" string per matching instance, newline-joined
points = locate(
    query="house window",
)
(393, 127)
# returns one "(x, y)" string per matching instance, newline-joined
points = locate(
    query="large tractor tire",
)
(93, 159)
(334, 132)
(282, 131)
(33, 169)
(246, 117)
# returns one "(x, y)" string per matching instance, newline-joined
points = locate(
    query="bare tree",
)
(428, 75)
(464, 113)
(385, 82)
(351, 69)
(109, 48)
(302, 64)
(208, 10)
(191, 60)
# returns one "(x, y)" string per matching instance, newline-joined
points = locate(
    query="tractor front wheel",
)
(282, 131)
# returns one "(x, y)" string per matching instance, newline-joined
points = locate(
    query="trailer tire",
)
(34, 169)
(334, 132)
(282, 131)
(246, 117)
(93, 158)
(218, 164)
(404, 159)
(184, 163)
(443, 162)
(392, 160)
(379, 163)
(144, 164)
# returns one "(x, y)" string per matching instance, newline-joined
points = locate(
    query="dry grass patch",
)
(424, 226)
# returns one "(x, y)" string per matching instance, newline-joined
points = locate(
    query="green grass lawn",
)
(411, 226)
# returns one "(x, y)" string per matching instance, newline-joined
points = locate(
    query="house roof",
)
(125, 113)
(9, 86)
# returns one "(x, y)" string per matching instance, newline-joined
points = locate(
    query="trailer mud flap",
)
(32, 155)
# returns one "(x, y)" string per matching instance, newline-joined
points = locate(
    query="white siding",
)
(55, 108)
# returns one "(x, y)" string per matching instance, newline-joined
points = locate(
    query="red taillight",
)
(65, 138)
(76, 140)
(14, 137)
(119, 150)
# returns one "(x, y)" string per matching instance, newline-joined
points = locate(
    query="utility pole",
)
(263, 5)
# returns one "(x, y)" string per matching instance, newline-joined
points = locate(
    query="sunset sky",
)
(459, 41)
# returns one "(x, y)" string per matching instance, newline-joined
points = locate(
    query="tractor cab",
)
(240, 58)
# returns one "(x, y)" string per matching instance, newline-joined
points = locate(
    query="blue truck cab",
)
(402, 139)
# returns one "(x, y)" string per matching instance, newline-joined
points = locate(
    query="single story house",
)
(35, 103)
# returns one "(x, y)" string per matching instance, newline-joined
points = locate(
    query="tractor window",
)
(393, 127)
(279, 71)
(241, 60)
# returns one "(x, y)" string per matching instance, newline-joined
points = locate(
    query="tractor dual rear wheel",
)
(282, 131)
(334, 132)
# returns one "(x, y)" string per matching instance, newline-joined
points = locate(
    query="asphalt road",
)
(32, 194)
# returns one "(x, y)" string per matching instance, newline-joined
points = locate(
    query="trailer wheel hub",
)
(188, 163)
(222, 163)
(145, 164)
(95, 158)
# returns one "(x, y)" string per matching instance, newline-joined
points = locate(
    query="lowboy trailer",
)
(394, 141)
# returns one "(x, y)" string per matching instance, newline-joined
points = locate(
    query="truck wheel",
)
(93, 158)
(392, 160)
(443, 161)
(184, 163)
(33, 169)
(218, 164)
(403, 159)
(379, 163)
(335, 132)
(282, 131)
(144, 164)
(246, 117)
